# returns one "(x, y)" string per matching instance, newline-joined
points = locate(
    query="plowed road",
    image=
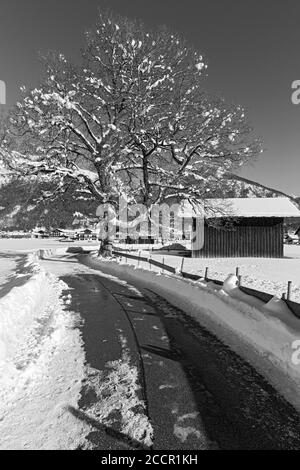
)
(198, 394)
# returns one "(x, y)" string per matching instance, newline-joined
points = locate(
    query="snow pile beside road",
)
(20, 307)
(263, 334)
(41, 364)
(269, 275)
(8, 266)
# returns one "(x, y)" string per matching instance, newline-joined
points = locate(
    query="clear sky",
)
(252, 48)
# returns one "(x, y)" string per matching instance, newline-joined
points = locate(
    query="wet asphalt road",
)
(198, 394)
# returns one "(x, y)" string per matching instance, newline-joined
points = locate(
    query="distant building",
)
(39, 233)
(243, 227)
(56, 233)
(79, 234)
(87, 234)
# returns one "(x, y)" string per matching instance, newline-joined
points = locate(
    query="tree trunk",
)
(105, 249)
(107, 239)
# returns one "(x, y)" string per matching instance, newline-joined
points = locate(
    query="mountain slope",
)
(27, 203)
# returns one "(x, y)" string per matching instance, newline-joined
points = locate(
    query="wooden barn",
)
(241, 227)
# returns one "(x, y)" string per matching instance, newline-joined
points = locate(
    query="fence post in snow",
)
(182, 263)
(239, 280)
(206, 274)
(289, 290)
(237, 272)
(139, 258)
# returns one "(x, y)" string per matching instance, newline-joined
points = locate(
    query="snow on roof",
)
(188, 209)
(252, 207)
(244, 207)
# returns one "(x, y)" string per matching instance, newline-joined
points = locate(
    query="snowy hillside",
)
(238, 186)
(25, 204)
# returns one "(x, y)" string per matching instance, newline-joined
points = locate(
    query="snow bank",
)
(42, 364)
(263, 334)
(8, 266)
(269, 275)
(20, 306)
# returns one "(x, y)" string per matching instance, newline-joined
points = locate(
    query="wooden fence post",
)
(289, 290)
(237, 272)
(206, 274)
(239, 280)
(182, 263)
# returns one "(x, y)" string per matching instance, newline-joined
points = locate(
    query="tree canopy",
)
(132, 119)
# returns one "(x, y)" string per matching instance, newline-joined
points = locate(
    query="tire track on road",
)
(141, 362)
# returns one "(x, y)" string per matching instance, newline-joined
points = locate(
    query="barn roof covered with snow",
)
(251, 207)
(243, 207)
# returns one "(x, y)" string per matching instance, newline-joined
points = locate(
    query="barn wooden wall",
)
(253, 237)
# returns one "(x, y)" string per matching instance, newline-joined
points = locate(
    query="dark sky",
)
(252, 49)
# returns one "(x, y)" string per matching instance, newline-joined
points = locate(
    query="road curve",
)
(197, 393)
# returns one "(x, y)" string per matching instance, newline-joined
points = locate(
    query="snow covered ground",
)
(8, 265)
(30, 244)
(41, 364)
(269, 275)
(43, 368)
(42, 361)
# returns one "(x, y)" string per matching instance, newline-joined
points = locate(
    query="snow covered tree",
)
(61, 132)
(133, 120)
